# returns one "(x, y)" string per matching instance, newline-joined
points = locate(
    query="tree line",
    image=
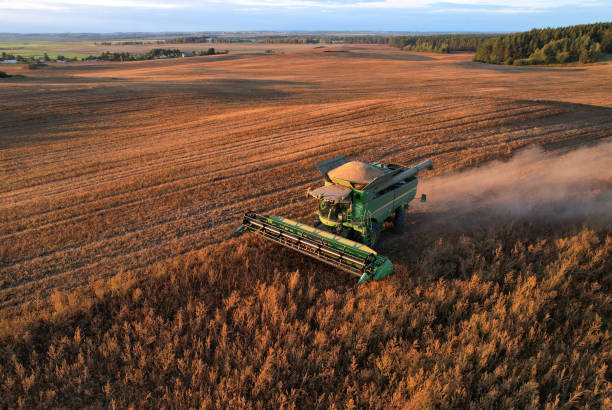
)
(109, 56)
(37, 62)
(583, 43)
(154, 53)
(281, 39)
(440, 43)
(365, 39)
(127, 43)
(33, 59)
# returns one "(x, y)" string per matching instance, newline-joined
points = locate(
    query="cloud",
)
(484, 10)
(495, 6)
(489, 8)
(432, 6)
(66, 5)
(285, 15)
(463, 5)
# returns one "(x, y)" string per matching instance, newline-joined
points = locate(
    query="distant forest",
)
(584, 43)
(283, 39)
(440, 43)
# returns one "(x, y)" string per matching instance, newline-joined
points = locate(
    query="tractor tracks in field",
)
(217, 179)
(128, 201)
(247, 148)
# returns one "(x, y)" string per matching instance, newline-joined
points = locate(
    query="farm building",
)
(9, 61)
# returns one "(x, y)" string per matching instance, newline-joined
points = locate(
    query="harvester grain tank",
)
(354, 202)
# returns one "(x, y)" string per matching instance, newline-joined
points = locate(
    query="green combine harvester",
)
(353, 204)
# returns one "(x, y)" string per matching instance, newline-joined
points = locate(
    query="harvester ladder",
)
(367, 223)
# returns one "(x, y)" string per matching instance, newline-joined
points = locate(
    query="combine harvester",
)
(353, 204)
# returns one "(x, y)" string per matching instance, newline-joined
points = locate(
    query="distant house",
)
(188, 54)
(61, 61)
(9, 61)
(41, 60)
(163, 56)
(92, 60)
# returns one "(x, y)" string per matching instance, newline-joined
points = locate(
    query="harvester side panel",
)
(383, 206)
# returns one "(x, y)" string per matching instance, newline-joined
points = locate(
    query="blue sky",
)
(38, 16)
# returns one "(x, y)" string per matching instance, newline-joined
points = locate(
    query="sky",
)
(106, 16)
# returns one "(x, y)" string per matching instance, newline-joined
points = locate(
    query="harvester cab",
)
(334, 204)
(354, 202)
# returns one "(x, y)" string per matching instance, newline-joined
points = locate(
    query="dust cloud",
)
(533, 184)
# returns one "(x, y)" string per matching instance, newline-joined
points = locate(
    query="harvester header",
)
(354, 201)
(350, 256)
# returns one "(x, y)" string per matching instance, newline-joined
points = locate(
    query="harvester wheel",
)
(399, 222)
(374, 235)
(354, 236)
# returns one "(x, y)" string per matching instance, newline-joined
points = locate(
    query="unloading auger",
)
(353, 204)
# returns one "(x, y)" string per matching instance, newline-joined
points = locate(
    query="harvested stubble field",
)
(121, 183)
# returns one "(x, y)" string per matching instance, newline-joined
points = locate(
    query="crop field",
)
(122, 182)
(83, 49)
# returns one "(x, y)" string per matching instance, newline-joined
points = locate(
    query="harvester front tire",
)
(399, 222)
(375, 235)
